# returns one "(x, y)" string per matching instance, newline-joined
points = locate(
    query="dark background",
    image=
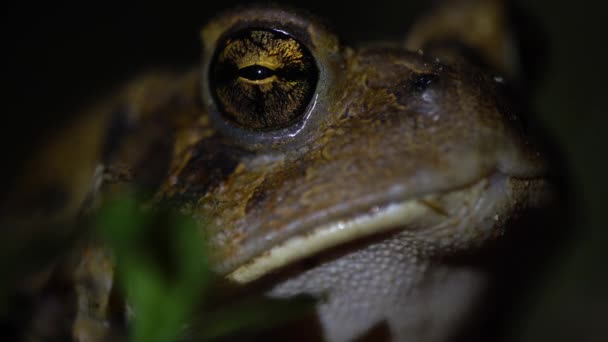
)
(58, 57)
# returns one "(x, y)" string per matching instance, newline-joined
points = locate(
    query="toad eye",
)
(262, 79)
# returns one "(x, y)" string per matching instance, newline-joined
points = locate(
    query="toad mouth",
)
(462, 215)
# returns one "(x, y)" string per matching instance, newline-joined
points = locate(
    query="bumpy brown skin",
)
(387, 125)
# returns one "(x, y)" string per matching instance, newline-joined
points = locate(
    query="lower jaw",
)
(383, 288)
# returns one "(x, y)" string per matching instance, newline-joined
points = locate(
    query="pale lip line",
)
(327, 236)
(412, 212)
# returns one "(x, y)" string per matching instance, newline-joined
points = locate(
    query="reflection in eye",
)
(262, 79)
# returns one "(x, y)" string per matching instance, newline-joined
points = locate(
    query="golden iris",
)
(263, 79)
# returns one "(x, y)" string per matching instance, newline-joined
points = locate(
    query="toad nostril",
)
(416, 90)
(421, 82)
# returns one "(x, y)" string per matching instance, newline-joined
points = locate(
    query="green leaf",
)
(161, 263)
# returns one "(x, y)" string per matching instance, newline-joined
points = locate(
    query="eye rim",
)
(323, 46)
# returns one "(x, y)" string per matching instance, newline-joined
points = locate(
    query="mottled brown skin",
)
(387, 125)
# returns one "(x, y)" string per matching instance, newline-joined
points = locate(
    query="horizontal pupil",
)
(255, 72)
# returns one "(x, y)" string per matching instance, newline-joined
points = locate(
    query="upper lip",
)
(257, 245)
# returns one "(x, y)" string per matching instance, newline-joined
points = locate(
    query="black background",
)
(60, 56)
